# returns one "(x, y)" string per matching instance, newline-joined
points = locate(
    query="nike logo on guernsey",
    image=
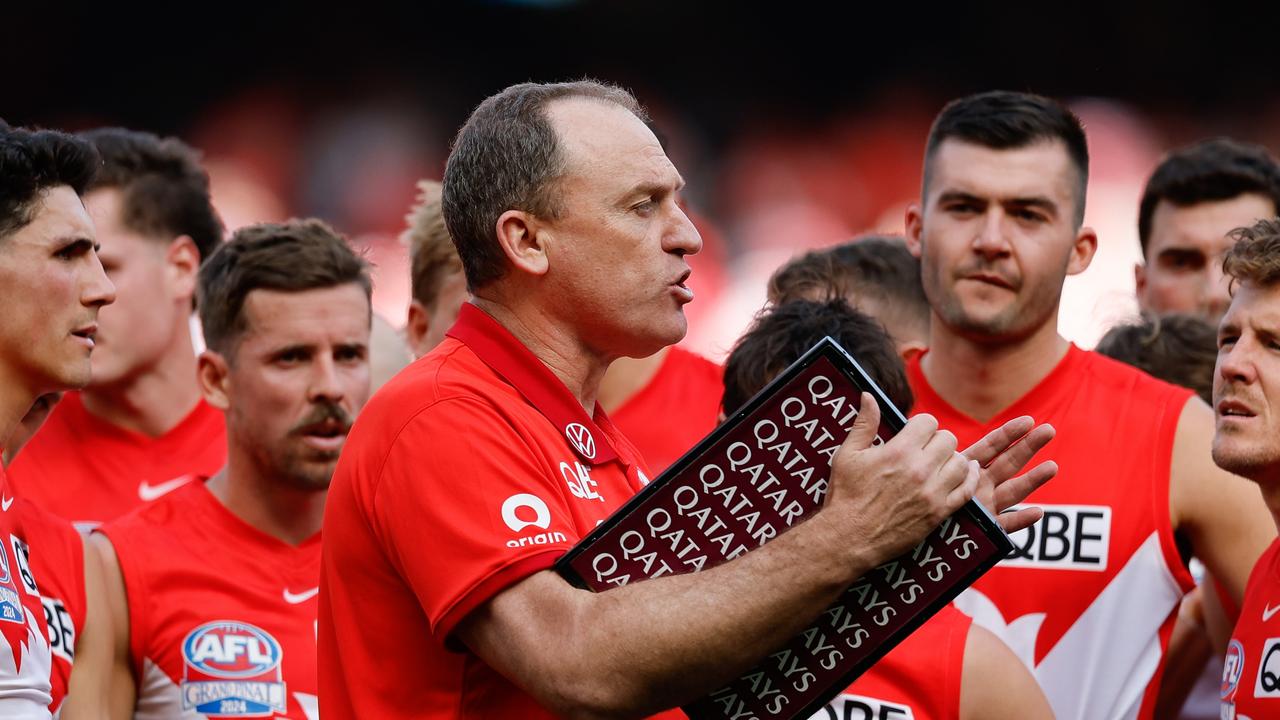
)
(1268, 611)
(5, 503)
(294, 599)
(149, 492)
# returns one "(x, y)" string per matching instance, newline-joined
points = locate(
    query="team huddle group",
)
(168, 482)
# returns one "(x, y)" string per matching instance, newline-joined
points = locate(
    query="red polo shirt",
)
(472, 469)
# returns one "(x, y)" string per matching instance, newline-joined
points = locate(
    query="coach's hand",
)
(888, 497)
(1001, 454)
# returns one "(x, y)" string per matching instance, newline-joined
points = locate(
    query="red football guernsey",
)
(87, 470)
(1251, 673)
(57, 562)
(676, 409)
(221, 615)
(1089, 598)
(472, 469)
(917, 680)
(25, 663)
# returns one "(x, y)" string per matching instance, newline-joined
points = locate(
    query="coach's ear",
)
(520, 235)
(212, 372)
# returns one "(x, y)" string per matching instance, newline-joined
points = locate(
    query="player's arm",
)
(1222, 514)
(653, 645)
(995, 685)
(106, 667)
(88, 683)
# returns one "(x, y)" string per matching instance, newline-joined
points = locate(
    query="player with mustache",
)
(212, 588)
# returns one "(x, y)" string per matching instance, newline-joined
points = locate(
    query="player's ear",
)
(911, 349)
(1139, 278)
(1082, 250)
(523, 238)
(914, 224)
(213, 374)
(182, 263)
(416, 327)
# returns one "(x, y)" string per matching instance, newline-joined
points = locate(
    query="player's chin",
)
(74, 373)
(1244, 458)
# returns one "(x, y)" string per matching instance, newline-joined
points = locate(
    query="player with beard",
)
(212, 589)
(141, 425)
(1246, 394)
(1090, 597)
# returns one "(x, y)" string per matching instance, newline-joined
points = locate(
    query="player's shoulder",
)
(43, 526)
(431, 389)
(1109, 375)
(179, 507)
(690, 361)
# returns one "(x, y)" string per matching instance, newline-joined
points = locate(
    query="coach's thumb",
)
(865, 427)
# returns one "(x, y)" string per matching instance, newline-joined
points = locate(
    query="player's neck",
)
(15, 401)
(628, 376)
(287, 513)
(580, 369)
(982, 379)
(153, 402)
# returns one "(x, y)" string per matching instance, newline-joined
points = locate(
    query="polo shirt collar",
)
(509, 358)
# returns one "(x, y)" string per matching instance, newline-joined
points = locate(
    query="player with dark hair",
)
(1090, 597)
(949, 667)
(1246, 394)
(875, 274)
(54, 286)
(141, 425)
(1193, 199)
(781, 333)
(564, 210)
(285, 310)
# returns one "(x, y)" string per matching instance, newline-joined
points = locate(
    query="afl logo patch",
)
(232, 669)
(1232, 668)
(10, 602)
(581, 440)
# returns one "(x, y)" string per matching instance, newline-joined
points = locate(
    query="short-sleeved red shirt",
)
(472, 469)
(678, 407)
(86, 470)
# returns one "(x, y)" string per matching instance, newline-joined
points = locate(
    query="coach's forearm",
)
(660, 643)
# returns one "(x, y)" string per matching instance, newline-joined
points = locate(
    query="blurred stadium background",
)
(796, 125)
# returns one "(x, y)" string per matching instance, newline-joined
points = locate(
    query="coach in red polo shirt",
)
(468, 474)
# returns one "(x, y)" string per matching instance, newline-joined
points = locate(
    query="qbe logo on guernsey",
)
(1068, 537)
(1267, 684)
(232, 669)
